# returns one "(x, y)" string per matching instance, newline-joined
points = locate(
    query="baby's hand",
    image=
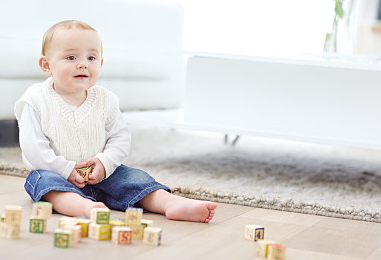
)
(75, 178)
(98, 173)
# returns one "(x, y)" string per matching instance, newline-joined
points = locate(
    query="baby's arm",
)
(36, 149)
(118, 142)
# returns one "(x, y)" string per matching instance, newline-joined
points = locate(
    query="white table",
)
(317, 101)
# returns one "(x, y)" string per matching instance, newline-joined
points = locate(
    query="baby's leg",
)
(71, 204)
(178, 208)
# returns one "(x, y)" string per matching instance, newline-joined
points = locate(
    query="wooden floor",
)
(307, 237)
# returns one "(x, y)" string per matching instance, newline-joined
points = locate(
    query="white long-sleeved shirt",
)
(32, 139)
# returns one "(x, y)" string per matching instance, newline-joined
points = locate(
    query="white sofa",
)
(142, 40)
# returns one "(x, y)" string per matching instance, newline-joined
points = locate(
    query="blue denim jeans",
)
(123, 189)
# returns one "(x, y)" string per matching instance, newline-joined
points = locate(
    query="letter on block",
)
(152, 236)
(84, 172)
(13, 215)
(276, 252)
(84, 223)
(133, 216)
(121, 235)
(263, 247)
(42, 210)
(254, 232)
(37, 225)
(99, 232)
(100, 216)
(62, 238)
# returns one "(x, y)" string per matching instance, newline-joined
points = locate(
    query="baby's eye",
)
(70, 57)
(92, 58)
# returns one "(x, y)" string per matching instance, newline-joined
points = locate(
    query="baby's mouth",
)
(81, 76)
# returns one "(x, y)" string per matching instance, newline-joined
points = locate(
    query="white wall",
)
(256, 27)
(276, 27)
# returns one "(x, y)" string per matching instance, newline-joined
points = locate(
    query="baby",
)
(68, 122)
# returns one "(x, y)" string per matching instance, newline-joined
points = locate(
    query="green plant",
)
(330, 43)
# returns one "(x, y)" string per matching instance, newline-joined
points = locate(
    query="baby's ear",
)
(44, 65)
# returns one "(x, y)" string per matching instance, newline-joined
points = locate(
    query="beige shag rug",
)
(275, 174)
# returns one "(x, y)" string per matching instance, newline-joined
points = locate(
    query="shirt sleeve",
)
(36, 150)
(118, 143)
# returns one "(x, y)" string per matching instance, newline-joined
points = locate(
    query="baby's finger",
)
(79, 185)
(79, 179)
(80, 165)
(90, 161)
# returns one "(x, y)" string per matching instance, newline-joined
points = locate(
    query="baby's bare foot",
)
(190, 210)
(92, 204)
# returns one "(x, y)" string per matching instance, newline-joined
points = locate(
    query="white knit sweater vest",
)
(76, 134)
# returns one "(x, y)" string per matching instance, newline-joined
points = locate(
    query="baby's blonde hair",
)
(66, 25)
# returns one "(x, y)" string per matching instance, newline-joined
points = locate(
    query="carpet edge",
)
(273, 204)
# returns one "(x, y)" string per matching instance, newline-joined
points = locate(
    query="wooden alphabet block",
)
(147, 223)
(100, 216)
(133, 216)
(263, 247)
(137, 232)
(3, 229)
(84, 223)
(254, 232)
(42, 210)
(121, 235)
(276, 252)
(62, 238)
(117, 223)
(152, 236)
(13, 215)
(84, 172)
(99, 232)
(12, 231)
(37, 225)
(76, 233)
(64, 221)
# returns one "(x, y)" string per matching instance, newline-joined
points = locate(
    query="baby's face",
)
(75, 60)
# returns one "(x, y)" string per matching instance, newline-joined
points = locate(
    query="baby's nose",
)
(82, 65)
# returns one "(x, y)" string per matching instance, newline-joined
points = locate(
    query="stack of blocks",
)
(70, 231)
(99, 228)
(40, 213)
(10, 223)
(133, 221)
(141, 228)
(266, 248)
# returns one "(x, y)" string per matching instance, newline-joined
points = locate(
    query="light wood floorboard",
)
(307, 237)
